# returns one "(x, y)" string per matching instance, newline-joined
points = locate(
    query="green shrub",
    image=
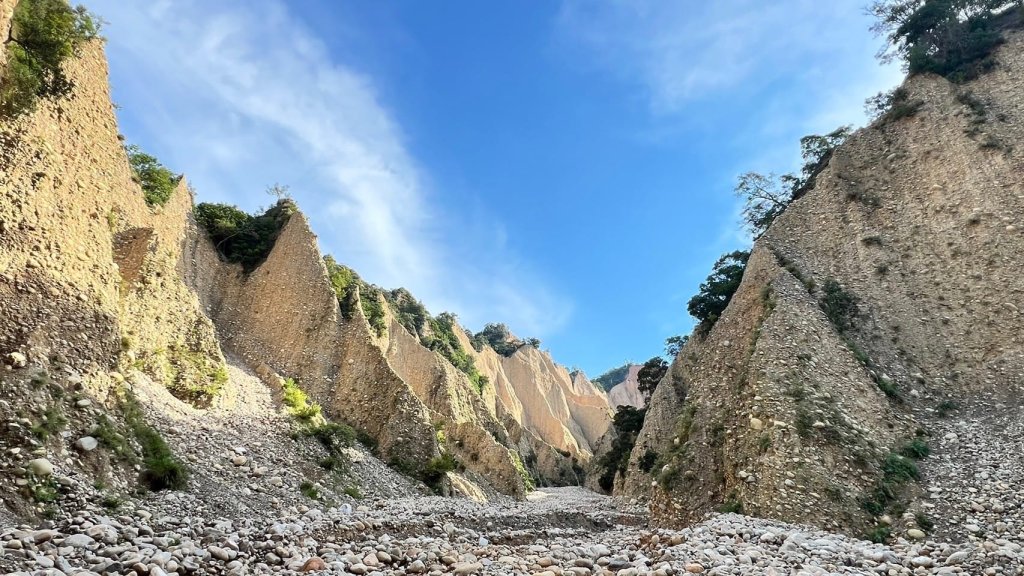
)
(437, 468)
(108, 436)
(44, 490)
(916, 449)
(900, 469)
(946, 407)
(839, 306)
(373, 309)
(309, 490)
(523, 473)
(297, 401)
(243, 238)
(888, 107)
(924, 522)
(190, 375)
(888, 388)
(648, 460)
(353, 492)
(732, 505)
(43, 35)
(879, 534)
(158, 183)
(410, 312)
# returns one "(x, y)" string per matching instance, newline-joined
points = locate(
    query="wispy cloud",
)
(239, 94)
(685, 51)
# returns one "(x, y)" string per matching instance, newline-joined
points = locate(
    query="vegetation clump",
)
(444, 341)
(298, 403)
(190, 375)
(887, 107)
(243, 238)
(158, 183)
(839, 306)
(501, 340)
(716, 292)
(161, 470)
(437, 468)
(955, 39)
(627, 424)
(897, 470)
(649, 375)
(609, 379)
(44, 34)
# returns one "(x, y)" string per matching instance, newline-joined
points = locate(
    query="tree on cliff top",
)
(43, 35)
(952, 38)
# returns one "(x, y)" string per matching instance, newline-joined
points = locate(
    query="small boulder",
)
(314, 564)
(40, 467)
(86, 444)
(16, 360)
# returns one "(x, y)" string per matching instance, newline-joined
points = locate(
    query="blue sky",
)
(563, 167)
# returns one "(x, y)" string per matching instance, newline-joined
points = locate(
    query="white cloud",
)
(239, 94)
(685, 51)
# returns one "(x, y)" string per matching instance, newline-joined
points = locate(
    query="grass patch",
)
(916, 449)
(924, 522)
(732, 505)
(161, 470)
(353, 492)
(107, 435)
(946, 407)
(309, 490)
(298, 402)
(51, 423)
(879, 534)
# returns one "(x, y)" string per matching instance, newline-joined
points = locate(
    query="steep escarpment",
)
(883, 294)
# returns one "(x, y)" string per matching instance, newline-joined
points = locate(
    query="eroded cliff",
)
(788, 413)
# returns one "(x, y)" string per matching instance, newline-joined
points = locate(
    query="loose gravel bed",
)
(565, 531)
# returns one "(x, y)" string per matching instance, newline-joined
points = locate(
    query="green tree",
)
(674, 344)
(716, 292)
(765, 197)
(43, 35)
(952, 38)
(650, 375)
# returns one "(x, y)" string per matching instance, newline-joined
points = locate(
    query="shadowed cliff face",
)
(918, 220)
